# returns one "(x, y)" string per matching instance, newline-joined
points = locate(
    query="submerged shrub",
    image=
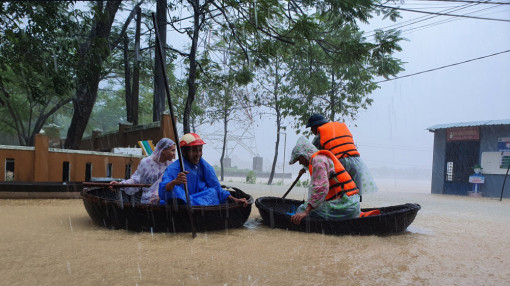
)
(303, 184)
(251, 177)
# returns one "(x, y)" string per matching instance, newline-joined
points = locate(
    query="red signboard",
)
(462, 133)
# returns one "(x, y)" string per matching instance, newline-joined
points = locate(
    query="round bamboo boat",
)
(117, 210)
(393, 219)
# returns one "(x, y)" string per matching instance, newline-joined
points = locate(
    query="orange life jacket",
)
(341, 182)
(370, 213)
(336, 137)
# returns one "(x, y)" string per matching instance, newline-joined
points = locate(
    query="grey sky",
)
(392, 132)
(404, 108)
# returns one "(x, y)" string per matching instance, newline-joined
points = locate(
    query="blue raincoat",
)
(203, 185)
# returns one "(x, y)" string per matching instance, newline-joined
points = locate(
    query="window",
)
(109, 168)
(65, 171)
(9, 170)
(127, 175)
(88, 172)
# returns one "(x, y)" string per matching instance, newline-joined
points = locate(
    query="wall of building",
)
(438, 162)
(43, 164)
(494, 175)
(490, 136)
(22, 156)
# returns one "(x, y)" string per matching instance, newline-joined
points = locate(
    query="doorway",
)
(460, 158)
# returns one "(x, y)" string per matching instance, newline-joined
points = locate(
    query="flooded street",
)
(453, 241)
(158, 95)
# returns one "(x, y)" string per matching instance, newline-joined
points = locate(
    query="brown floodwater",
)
(453, 241)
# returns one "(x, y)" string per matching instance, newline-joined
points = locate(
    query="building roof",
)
(469, 124)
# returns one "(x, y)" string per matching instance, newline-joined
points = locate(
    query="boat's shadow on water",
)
(418, 230)
(258, 224)
(254, 224)
(83, 221)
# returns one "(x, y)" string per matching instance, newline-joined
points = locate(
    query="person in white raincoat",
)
(150, 171)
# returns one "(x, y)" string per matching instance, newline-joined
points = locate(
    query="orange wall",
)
(23, 170)
(40, 164)
(78, 162)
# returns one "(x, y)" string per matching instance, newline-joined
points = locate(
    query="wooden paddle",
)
(292, 186)
(159, 51)
(92, 184)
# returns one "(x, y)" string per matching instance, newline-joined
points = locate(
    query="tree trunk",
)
(223, 150)
(86, 94)
(41, 120)
(276, 86)
(136, 69)
(127, 81)
(91, 56)
(277, 144)
(332, 97)
(158, 106)
(192, 67)
(18, 124)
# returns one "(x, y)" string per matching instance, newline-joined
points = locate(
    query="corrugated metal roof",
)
(469, 124)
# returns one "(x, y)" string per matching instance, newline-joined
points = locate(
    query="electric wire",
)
(443, 14)
(419, 28)
(446, 66)
(426, 17)
(465, 1)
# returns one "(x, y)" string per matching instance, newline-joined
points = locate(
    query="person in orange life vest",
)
(336, 137)
(332, 193)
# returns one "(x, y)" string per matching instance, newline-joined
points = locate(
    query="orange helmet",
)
(191, 139)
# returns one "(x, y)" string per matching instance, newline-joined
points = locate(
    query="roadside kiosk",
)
(459, 147)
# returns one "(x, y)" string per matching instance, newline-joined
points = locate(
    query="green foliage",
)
(326, 63)
(312, 54)
(223, 95)
(320, 38)
(244, 76)
(36, 64)
(338, 83)
(251, 177)
(108, 111)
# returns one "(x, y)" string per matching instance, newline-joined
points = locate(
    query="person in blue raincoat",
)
(203, 185)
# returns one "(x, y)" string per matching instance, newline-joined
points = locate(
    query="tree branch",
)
(231, 27)
(118, 40)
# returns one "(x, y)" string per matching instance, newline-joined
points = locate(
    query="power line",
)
(445, 20)
(447, 66)
(410, 22)
(465, 1)
(443, 14)
(425, 18)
